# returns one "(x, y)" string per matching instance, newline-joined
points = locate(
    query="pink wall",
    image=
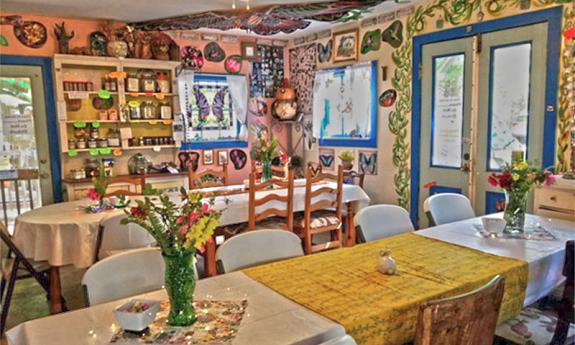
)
(83, 28)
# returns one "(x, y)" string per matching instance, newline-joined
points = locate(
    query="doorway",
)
(481, 97)
(27, 163)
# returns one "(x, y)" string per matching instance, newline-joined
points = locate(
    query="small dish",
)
(137, 314)
(493, 225)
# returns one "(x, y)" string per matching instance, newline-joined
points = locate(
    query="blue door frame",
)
(552, 16)
(45, 64)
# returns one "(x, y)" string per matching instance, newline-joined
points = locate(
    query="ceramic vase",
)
(117, 49)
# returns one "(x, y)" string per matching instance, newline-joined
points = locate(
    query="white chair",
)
(345, 340)
(446, 208)
(379, 221)
(126, 274)
(257, 247)
(114, 238)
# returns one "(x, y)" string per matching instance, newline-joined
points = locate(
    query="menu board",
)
(267, 71)
(447, 116)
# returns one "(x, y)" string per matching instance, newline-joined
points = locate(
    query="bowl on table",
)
(493, 225)
(137, 314)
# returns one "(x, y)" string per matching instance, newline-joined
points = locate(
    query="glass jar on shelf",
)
(149, 110)
(132, 83)
(147, 81)
(165, 110)
(162, 82)
(113, 137)
(135, 113)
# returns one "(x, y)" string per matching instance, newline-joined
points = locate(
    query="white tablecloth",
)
(545, 258)
(270, 318)
(64, 234)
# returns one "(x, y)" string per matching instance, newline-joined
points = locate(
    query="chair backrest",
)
(319, 196)
(126, 274)
(137, 184)
(315, 167)
(256, 248)
(256, 206)
(449, 207)
(24, 178)
(208, 178)
(353, 177)
(379, 221)
(345, 340)
(114, 236)
(466, 319)
(8, 247)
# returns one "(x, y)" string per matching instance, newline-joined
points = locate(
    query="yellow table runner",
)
(345, 286)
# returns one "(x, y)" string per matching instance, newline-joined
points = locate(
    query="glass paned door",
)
(24, 157)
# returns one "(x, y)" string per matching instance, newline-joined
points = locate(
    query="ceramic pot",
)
(117, 49)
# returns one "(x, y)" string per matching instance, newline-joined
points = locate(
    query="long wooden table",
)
(64, 234)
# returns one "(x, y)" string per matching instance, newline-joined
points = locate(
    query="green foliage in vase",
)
(346, 156)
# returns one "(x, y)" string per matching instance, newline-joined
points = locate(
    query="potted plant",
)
(180, 229)
(347, 158)
(517, 179)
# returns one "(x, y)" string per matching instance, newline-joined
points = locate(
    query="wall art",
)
(188, 159)
(98, 42)
(302, 71)
(248, 51)
(327, 159)
(371, 41)
(214, 53)
(387, 98)
(233, 64)
(368, 162)
(345, 46)
(239, 158)
(209, 37)
(192, 58)
(393, 34)
(222, 157)
(257, 106)
(208, 158)
(229, 38)
(32, 34)
(267, 71)
(324, 51)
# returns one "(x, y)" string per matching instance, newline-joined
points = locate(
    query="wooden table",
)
(270, 318)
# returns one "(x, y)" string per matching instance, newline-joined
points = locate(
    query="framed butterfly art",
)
(324, 52)
(368, 162)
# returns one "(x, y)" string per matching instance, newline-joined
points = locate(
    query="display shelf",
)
(150, 147)
(113, 93)
(91, 120)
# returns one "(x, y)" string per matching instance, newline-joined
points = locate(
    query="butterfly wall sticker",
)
(324, 51)
(368, 162)
(216, 108)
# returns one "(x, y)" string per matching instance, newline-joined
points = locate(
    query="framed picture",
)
(209, 37)
(249, 51)
(222, 157)
(327, 159)
(345, 45)
(208, 157)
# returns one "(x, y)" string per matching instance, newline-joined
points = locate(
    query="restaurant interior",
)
(263, 172)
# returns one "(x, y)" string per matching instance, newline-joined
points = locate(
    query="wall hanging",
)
(32, 34)
(368, 162)
(233, 64)
(239, 158)
(208, 158)
(326, 159)
(214, 53)
(387, 98)
(371, 41)
(345, 46)
(267, 71)
(222, 157)
(302, 72)
(192, 58)
(188, 159)
(257, 106)
(324, 51)
(393, 34)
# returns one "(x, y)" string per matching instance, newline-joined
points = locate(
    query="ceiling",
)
(142, 10)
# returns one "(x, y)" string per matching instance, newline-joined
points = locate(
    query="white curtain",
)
(239, 92)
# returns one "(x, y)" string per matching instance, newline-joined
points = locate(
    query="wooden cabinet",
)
(556, 201)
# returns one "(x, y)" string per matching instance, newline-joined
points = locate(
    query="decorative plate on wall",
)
(214, 53)
(233, 64)
(31, 33)
(192, 58)
(393, 34)
(239, 158)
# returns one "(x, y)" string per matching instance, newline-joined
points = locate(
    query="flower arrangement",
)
(98, 191)
(180, 229)
(517, 179)
(347, 158)
(264, 152)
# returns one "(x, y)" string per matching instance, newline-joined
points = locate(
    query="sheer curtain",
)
(239, 92)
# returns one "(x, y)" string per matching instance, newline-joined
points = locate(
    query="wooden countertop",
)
(154, 175)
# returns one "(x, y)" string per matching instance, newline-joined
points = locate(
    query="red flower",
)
(137, 212)
(505, 180)
(492, 179)
(205, 208)
(92, 194)
(430, 184)
(193, 217)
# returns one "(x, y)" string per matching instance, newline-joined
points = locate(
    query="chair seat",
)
(7, 264)
(273, 223)
(533, 326)
(319, 219)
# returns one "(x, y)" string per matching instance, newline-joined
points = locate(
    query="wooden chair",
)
(285, 197)
(24, 176)
(315, 167)
(353, 177)
(324, 215)
(256, 248)
(468, 319)
(16, 267)
(208, 178)
(565, 316)
(136, 181)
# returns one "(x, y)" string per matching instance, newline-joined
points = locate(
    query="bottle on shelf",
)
(165, 110)
(162, 83)
(132, 83)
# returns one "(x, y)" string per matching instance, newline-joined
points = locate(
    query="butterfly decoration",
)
(327, 158)
(239, 158)
(188, 160)
(324, 51)
(217, 107)
(393, 34)
(368, 163)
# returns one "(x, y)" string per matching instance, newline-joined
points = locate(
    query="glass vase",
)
(266, 171)
(514, 214)
(180, 282)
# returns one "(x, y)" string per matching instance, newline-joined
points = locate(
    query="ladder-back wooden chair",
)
(353, 177)
(23, 201)
(14, 266)
(315, 167)
(466, 319)
(259, 215)
(208, 178)
(323, 210)
(136, 185)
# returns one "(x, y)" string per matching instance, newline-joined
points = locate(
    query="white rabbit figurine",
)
(386, 263)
